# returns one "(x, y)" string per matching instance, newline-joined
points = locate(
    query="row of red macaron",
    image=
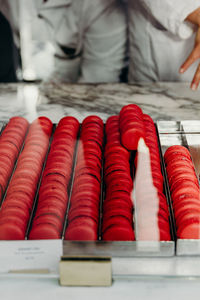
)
(52, 208)
(184, 190)
(18, 202)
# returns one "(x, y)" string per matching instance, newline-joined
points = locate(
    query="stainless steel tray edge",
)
(119, 249)
(188, 247)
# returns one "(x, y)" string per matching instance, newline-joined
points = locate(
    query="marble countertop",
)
(162, 101)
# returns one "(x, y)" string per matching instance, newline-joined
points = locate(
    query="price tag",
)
(30, 256)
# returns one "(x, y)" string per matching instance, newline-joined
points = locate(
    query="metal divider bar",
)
(166, 189)
(102, 189)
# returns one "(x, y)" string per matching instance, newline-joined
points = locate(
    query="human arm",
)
(194, 18)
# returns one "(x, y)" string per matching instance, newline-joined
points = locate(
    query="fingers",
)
(195, 54)
(196, 79)
(194, 17)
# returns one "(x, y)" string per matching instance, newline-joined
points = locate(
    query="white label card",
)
(30, 255)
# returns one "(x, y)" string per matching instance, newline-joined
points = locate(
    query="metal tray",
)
(121, 250)
(149, 258)
(127, 248)
(185, 133)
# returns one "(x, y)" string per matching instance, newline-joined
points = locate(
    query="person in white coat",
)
(161, 36)
(30, 36)
(89, 37)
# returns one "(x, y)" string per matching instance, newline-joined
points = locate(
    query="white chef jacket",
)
(160, 40)
(95, 29)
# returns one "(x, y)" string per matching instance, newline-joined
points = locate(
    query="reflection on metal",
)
(30, 94)
(119, 249)
(146, 201)
(168, 127)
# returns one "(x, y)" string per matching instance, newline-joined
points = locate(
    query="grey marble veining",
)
(162, 101)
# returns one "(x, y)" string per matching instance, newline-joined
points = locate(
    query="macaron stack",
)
(83, 216)
(53, 197)
(131, 126)
(117, 220)
(185, 193)
(11, 141)
(17, 206)
(154, 204)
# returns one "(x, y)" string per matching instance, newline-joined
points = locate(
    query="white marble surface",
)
(163, 101)
(37, 289)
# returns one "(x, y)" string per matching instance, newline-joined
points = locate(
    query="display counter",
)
(162, 101)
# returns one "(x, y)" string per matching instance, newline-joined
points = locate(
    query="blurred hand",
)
(194, 18)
